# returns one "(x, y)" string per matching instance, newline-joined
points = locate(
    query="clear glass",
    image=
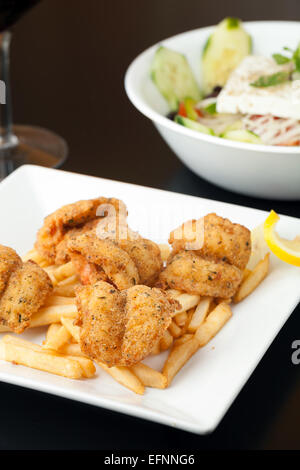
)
(23, 144)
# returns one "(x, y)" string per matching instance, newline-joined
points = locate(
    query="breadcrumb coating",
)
(26, 291)
(222, 240)
(121, 328)
(72, 216)
(189, 272)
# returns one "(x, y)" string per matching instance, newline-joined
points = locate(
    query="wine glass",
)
(21, 144)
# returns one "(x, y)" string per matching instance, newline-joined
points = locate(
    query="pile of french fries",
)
(192, 327)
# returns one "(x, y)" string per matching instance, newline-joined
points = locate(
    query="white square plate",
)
(205, 388)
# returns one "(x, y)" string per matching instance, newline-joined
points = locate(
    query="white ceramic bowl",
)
(255, 170)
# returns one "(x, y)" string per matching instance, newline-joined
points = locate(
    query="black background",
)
(67, 63)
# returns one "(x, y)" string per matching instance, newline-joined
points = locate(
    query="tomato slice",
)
(199, 112)
(182, 110)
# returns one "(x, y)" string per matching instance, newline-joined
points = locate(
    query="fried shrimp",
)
(189, 272)
(148, 313)
(89, 273)
(102, 321)
(24, 290)
(62, 253)
(221, 240)
(121, 328)
(119, 268)
(9, 262)
(145, 253)
(142, 256)
(147, 258)
(73, 216)
(207, 258)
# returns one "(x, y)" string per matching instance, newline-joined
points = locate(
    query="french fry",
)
(156, 349)
(183, 339)
(59, 300)
(148, 376)
(72, 349)
(27, 344)
(43, 264)
(68, 281)
(166, 341)
(50, 271)
(36, 358)
(165, 251)
(53, 314)
(246, 273)
(219, 300)
(36, 257)
(57, 339)
(65, 290)
(74, 330)
(189, 315)
(49, 315)
(31, 254)
(213, 324)
(181, 318)
(52, 331)
(21, 342)
(64, 271)
(253, 279)
(187, 301)
(125, 377)
(199, 314)
(175, 330)
(87, 366)
(174, 293)
(178, 356)
(214, 303)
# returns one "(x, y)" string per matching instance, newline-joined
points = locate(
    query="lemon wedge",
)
(286, 250)
(259, 247)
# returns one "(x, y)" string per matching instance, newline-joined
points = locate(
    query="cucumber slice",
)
(196, 126)
(223, 51)
(211, 108)
(242, 135)
(173, 77)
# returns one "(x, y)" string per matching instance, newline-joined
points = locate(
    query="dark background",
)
(68, 61)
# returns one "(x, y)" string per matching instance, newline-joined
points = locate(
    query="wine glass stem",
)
(6, 114)
(8, 140)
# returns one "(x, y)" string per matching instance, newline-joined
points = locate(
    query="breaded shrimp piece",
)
(71, 216)
(89, 273)
(121, 328)
(115, 229)
(223, 240)
(115, 262)
(9, 262)
(148, 315)
(102, 321)
(28, 287)
(147, 258)
(193, 274)
(62, 253)
(145, 253)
